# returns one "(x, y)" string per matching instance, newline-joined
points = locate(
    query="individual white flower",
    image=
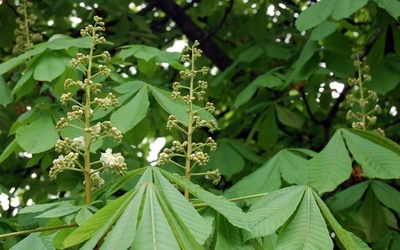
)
(107, 158)
(78, 143)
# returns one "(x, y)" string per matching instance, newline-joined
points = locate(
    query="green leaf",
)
(268, 132)
(39, 136)
(331, 166)
(349, 196)
(139, 51)
(35, 241)
(58, 42)
(130, 87)
(372, 217)
(323, 30)
(383, 79)
(345, 8)
(307, 229)
(37, 208)
(50, 65)
(386, 194)
(147, 67)
(126, 117)
(13, 62)
(292, 167)
(5, 93)
(83, 215)
(228, 236)
(270, 212)
(378, 139)
(376, 161)
(177, 108)
(228, 209)
(23, 81)
(391, 6)
(8, 151)
(227, 166)
(265, 179)
(315, 14)
(289, 118)
(59, 211)
(348, 240)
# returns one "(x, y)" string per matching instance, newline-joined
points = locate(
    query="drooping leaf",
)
(228, 209)
(315, 14)
(307, 229)
(386, 194)
(349, 196)
(348, 240)
(344, 8)
(376, 161)
(331, 166)
(270, 212)
(372, 217)
(126, 117)
(288, 117)
(39, 136)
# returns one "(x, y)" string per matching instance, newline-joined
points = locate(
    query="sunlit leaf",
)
(315, 14)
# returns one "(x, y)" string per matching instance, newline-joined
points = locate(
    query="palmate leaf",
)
(331, 166)
(307, 229)
(372, 217)
(348, 240)
(269, 213)
(376, 161)
(226, 208)
(154, 215)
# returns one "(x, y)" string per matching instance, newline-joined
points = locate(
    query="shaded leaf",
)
(288, 117)
(8, 150)
(372, 217)
(386, 194)
(331, 166)
(349, 196)
(226, 159)
(5, 93)
(391, 6)
(228, 236)
(323, 30)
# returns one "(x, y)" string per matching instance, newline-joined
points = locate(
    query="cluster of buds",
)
(80, 117)
(365, 99)
(24, 38)
(63, 163)
(193, 152)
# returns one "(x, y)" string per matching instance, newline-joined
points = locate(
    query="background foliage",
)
(277, 69)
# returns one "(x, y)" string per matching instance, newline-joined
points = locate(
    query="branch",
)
(193, 32)
(37, 230)
(223, 20)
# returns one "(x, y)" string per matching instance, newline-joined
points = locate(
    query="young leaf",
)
(349, 196)
(269, 213)
(386, 194)
(126, 117)
(330, 167)
(376, 161)
(307, 229)
(39, 136)
(372, 217)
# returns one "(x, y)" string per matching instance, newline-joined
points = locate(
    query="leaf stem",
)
(2, 236)
(200, 205)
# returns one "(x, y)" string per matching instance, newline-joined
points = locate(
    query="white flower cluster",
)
(114, 161)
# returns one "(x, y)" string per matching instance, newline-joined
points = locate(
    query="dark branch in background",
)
(193, 32)
(223, 20)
